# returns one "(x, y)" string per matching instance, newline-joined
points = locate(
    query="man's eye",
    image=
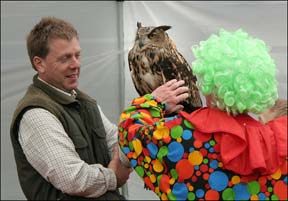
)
(63, 59)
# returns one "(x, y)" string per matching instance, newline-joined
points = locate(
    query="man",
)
(64, 146)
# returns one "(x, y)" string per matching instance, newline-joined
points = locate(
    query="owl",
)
(154, 60)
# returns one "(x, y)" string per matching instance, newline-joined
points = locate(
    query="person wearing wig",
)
(217, 152)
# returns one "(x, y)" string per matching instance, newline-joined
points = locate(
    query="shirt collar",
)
(73, 92)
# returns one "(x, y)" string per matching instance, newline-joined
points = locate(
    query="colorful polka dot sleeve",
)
(179, 163)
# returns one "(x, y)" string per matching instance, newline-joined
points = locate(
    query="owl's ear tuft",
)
(139, 25)
(164, 27)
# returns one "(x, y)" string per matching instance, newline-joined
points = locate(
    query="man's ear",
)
(39, 64)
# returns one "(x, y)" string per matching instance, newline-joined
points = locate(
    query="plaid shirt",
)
(52, 153)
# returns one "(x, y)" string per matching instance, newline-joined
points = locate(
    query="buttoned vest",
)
(81, 120)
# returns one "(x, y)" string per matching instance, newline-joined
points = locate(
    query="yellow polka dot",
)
(144, 115)
(164, 196)
(235, 180)
(254, 197)
(179, 139)
(124, 116)
(148, 159)
(152, 178)
(195, 158)
(220, 164)
(161, 132)
(156, 190)
(146, 165)
(137, 146)
(277, 174)
(157, 166)
(172, 181)
(190, 188)
(152, 102)
(168, 191)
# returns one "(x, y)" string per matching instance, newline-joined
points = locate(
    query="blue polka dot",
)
(214, 164)
(261, 196)
(187, 134)
(285, 180)
(126, 150)
(153, 149)
(170, 118)
(133, 163)
(180, 191)
(196, 167)
(175, 151)
(138, 122)
(206, 145)
(191, 149)
(211, 150)
(218, 180)
(199, 193)
(241, 192)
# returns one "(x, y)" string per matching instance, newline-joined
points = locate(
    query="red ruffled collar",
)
(247, 147)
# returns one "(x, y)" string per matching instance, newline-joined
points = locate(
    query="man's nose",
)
(75, 62)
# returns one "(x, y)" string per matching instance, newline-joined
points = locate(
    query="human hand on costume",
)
(172, 93)
(121, 171)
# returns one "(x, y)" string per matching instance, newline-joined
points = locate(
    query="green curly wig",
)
(237, 71)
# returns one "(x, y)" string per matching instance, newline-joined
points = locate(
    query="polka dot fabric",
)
(178, 162)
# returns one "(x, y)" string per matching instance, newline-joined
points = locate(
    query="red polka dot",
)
(211, 170)
(172, 123)
(212, 195)
(263, 188)
(130, 154)
(203, 151)
(194, 178)
(267, 194)
(148, 182)
(230, 184)
(280, 189)
(185, 169)
(197, 144)
(167, 139)
(210, 156)
(198, 173)
(185, 155)
(164, 183)
(206, 176)
(214, 156)
(262, 180)
(204, 168)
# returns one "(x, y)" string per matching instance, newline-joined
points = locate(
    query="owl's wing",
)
(140, 70)
(174, 66)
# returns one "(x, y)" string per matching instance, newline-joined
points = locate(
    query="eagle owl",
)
(154, 60)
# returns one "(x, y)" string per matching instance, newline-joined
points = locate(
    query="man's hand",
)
(172, 93)
(122, 172)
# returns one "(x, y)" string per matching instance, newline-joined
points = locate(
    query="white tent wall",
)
(107, 31)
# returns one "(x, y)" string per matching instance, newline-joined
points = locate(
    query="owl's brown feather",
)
(154, 60)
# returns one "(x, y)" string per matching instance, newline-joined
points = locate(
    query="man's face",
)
(61, 67)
